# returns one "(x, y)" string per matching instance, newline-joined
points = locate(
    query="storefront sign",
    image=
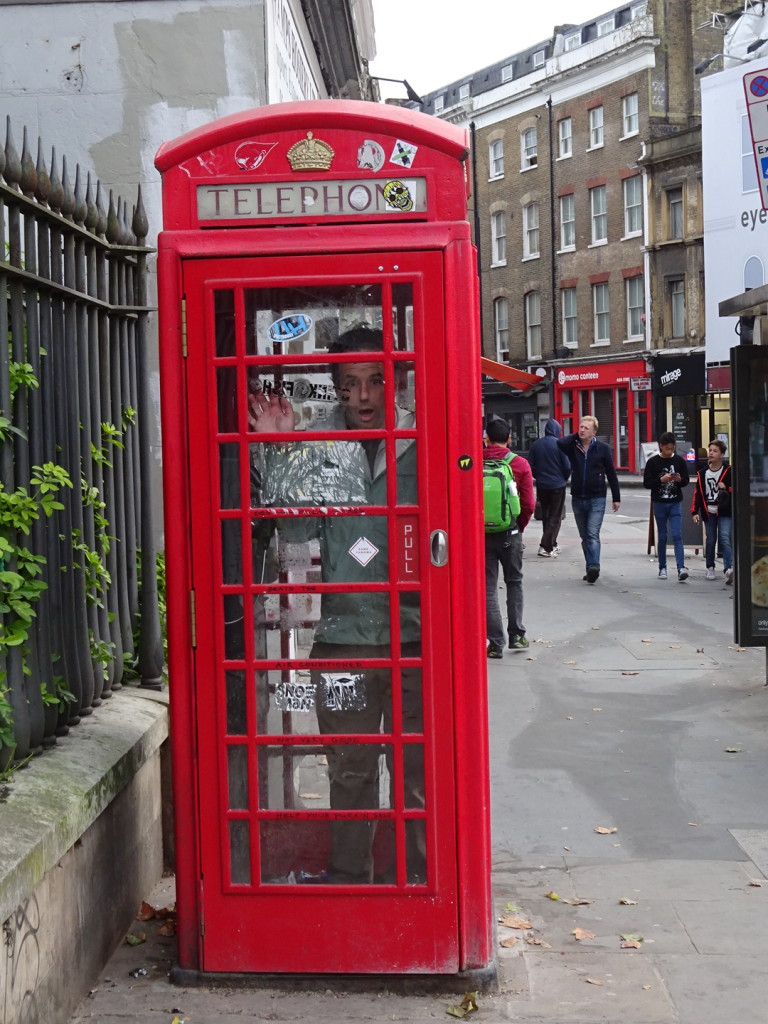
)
(600, 375)
(278, 199)
(640, 383)
(680, 375)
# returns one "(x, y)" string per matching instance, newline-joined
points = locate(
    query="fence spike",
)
(140, 222)
(12, 172)
(57, 189)
(80, 211)
(113, 229)
(43, 190)
(68, 202)
(92, 215)
(28, 180)
(101, 225)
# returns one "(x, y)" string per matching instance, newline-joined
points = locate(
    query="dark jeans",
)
(505, 549)
(669, 513)
(589, 513)
(552, 503)
(353, 768)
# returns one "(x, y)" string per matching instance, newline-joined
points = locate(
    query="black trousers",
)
(552, 504)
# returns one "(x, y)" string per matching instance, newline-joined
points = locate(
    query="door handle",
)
(438, 547)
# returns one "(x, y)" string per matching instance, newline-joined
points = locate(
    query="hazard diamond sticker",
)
(363, 551)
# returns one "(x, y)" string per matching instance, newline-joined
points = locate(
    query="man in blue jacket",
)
(592, 471)
(551, 470)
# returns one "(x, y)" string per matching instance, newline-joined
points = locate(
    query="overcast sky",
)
(434, 42)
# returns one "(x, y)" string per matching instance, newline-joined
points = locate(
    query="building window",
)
(570, 319)
(635, 306)
(677, 307)
(538, 58)
(568, 222)
(496, 158)
(501, 329)
(530, 230)
(439, 104)
(533, 324)
(498, 238)
(629, 115)
(506, 73)
(599, 215)
(595, 127)
(604, 26)
(564, 137)
(601, 311)
(528, 149)
(675, 212)
(753, 273)
(633, 206)
(463, 92)
(639, 10)
(748, 172)
(572, 41)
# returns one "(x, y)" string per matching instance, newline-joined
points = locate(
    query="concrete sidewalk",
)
(632, 710)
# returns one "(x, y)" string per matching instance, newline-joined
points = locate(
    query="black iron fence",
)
(78, 581)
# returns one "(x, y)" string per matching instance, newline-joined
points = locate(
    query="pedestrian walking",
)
(551, 469)
(505, 548)
(712, 504)
(666, 474)
(592, 472)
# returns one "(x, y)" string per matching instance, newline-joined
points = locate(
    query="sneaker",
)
(682, 575)
(592, 573)
(519, 642)
(495, 652)
(710, 572)
(662, 574)
(544, 554)
(554, 552)
(728, 577)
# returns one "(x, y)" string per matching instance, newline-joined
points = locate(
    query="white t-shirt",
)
(711, 480)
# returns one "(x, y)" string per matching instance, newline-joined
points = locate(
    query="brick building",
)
(587, 193)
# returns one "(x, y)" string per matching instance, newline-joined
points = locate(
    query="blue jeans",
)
(588, 513)
(718, 527)
(669, 513)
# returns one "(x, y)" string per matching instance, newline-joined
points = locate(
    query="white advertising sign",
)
(756, 91)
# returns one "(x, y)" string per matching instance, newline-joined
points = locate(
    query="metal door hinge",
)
(193, 617)
(202, 912)
(184, 349)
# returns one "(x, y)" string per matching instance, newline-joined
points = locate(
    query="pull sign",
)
(408, 549)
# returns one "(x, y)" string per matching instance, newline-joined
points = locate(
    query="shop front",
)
(615, 394)
(680, 401)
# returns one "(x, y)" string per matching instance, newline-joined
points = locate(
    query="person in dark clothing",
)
(506, 549)
(666, 474)
(712, 504)
(592, 471)
(551, 469)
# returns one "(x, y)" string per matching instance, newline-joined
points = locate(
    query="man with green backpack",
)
(508, 503)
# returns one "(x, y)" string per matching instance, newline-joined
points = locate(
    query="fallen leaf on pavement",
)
(647, 640)
(595, 627)
(582, 933)
(569, 662)
(630, 673)
(631, 941)
(551, 895)
(754, 881)
(570, 718)
(508, 943)
(593, 981)
(538, 942)
(699, 650)
(146, 912)
(646, 987)
(167, 927)
(597, 709)
(733, 750)
(135, 940)
(515, 922)
(675, 647)
(512, 908)
(532, 658)
(579, 903)
(605, 831)
(693, 824)
(627, 903)
(468, 1005)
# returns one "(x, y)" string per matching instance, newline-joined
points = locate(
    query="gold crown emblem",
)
(310, 154)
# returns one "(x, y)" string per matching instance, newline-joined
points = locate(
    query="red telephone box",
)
(321, 423)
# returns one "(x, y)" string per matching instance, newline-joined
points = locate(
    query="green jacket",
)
(338, 473)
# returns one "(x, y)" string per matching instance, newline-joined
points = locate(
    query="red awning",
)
(509, 374)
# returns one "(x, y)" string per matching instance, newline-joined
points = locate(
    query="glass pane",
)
(240, 852)
(226, 397)
(234, 636)
(300, 852)
(231, 551)
(306, 319)
(405, 395)
(237, 773)
(236, 706)
(353, 776)
(402, 315)
(224, 313)
(229, 476)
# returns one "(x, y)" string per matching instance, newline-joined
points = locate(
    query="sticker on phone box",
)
(289, 328)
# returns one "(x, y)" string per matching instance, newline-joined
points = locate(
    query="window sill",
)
(565, 156)
(629, 135)
(533, 359)
(632, 234)
(501, 263)
(591, 149)
(496, 177)
(600, 344)
(533, 256)
(570, 346)
(568, 248)
(596, 245)
(633, 340)
(533, 167)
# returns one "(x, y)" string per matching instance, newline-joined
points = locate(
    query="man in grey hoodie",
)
(551, 469)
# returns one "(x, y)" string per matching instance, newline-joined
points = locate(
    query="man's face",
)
(586, 431)
(361, 393)
(667, 450)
